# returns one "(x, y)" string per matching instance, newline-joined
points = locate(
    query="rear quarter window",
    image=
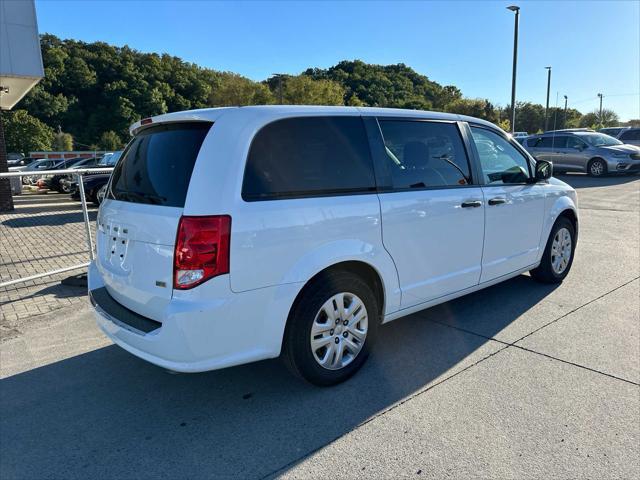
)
(156, 166)
(308, 156)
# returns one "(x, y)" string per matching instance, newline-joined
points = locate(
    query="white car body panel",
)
(422, 229)
(512, 229)
(425, 248)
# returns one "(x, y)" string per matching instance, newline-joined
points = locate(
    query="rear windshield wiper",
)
(140, 196)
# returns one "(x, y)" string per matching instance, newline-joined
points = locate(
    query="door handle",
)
(497, 201)
(472, 204)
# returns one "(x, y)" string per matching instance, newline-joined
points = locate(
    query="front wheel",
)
(331, 329)
(597, 167)
(558, 253)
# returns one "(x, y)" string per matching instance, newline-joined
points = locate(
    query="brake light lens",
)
(202, 250)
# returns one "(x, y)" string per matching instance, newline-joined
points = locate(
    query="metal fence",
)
(79, 174)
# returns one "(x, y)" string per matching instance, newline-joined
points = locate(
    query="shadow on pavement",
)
(49, 219)
(52, 207)
(108, 414)
(579, 180)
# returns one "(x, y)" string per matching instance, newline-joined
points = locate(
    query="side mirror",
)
(543, 171)
(579, 147)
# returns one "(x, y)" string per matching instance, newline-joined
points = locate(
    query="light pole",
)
(546, 108)
(600, 119)
(516, 9)
(564, 118)
(280, 95)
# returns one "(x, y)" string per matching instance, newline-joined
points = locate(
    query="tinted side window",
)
(573, 142)
(425, 154)
(305, 156)
(501, 162)
(545, 142)
(630, 135)
(560, 142)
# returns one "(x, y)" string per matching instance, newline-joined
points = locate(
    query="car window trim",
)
(529, 158)
(380, 157)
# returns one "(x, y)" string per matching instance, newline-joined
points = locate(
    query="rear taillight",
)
(202, 250)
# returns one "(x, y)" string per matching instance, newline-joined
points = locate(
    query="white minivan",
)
(232, 235)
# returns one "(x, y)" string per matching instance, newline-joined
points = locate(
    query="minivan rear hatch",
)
(139, 217)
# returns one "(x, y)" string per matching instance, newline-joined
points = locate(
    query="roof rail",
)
(571, 130)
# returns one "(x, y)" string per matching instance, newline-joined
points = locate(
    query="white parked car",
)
(232, 235)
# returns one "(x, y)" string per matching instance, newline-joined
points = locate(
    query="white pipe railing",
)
(79, 173)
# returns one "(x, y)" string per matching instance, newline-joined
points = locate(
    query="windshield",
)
(600, 140)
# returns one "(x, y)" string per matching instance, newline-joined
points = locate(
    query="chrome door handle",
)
(497, 201)
(472, 204)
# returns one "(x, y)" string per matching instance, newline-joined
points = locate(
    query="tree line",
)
(93, 92)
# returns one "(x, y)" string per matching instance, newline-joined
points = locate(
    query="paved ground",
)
(521, 380)
(45, 233)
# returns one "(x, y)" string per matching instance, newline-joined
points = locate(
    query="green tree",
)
(304, 90)
(110, 140)
(24, 133)
(593, 120)
(63, 142)
(232, 89)
(473, 107)
(589, 120)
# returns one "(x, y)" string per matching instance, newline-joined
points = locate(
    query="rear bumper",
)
(208, 328)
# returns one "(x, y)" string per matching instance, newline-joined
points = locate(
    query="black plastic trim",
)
(120, 314)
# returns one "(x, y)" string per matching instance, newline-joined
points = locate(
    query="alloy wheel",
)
(597, 168)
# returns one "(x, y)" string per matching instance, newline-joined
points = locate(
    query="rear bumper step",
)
(119, 314)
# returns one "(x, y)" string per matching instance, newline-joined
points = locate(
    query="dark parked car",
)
(56, 182)
(94, 188)
(630, 136)
(613, 131)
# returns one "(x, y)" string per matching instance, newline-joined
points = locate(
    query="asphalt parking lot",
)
(521, 380)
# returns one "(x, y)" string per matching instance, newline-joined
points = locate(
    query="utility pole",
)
(600, 118)
(546, 109)
(516, 10)
(280, 94)
(564, 119)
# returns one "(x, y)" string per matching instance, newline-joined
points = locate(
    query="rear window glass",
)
(156, 167)
(308, 156)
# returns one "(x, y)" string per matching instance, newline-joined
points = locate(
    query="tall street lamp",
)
(546, 109)
(564, 118)
(600, 119)
(516, 9)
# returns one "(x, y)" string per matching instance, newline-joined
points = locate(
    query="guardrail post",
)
(85, 212)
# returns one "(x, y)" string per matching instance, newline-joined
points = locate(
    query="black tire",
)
(545, 272)
(592, 169)
(297, 352)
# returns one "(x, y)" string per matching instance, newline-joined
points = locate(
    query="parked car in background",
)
(37, 166)
(94, 188)
(630, 136)
(232, 235)
(584, 151)
(613, 131)
(517, 135)
(70, 184)
(61, 164)
(55, 182)
(19, 164)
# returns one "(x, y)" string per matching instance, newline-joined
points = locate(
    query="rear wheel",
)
(597, 167)
(558, 253)
(331, 329)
